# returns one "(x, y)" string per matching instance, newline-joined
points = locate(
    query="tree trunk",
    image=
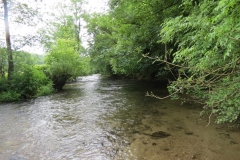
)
(59, 81)
(8, 41)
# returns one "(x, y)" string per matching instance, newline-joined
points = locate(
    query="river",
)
(100, 119)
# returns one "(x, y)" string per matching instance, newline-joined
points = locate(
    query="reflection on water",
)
(91, 119)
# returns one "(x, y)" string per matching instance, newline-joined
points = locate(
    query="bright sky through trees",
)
(48, 6)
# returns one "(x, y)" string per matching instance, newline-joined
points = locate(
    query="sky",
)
(91, 6)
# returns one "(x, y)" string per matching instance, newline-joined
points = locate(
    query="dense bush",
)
(3, 85)
(29, 83)
(208, 55)
(45, 89)
(8, 96)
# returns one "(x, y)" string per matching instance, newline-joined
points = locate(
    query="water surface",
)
(99, 119)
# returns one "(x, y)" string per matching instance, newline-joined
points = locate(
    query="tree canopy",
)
(65, 54)
(129, 30)
(208, 54)
(195, 41)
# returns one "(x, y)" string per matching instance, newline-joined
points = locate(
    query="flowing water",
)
(99, 119)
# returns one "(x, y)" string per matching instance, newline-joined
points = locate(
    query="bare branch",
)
(235, 39)
(152, 95)
(209, 120)
(164, 61)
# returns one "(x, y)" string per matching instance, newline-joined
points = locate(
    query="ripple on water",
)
(99, 119)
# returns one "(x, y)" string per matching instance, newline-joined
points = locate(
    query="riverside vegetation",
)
(194, 44)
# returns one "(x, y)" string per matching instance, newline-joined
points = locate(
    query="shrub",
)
(3, 85)
(8, 96)
(29, 82)
(45, 90)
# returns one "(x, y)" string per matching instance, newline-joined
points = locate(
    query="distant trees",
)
(21, 77)
(28, 79)
(20, 14)
(66, 56)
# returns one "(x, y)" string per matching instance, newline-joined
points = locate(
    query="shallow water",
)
(99, 119)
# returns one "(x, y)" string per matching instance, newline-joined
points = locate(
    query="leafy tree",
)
(63, 62)
(65, 24)
(127, 32)
(208, 55)
(65, 59)
(28, 79)
(21, 59)
(99, 27)
(38, 58)
(21, 14)
(198, 44)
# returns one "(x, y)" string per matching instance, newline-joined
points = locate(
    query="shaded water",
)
(99, 119)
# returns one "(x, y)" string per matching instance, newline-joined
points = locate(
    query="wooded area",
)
(194, 44)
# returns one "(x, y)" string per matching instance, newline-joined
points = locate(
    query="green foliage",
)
(84, 67)
(38, 59)
(21, 59)
(9, 96)
(28, 82)
(3, 62)
(207, 38)
(63, 58)
(65, 25)
(63, 62)
(3, 84)
(45, 89)
(128, 31)
(24, 80)
(66, 58)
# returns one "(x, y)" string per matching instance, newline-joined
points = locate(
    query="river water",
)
(100, 119)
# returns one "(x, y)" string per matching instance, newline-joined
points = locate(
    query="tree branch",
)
(154, 96)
